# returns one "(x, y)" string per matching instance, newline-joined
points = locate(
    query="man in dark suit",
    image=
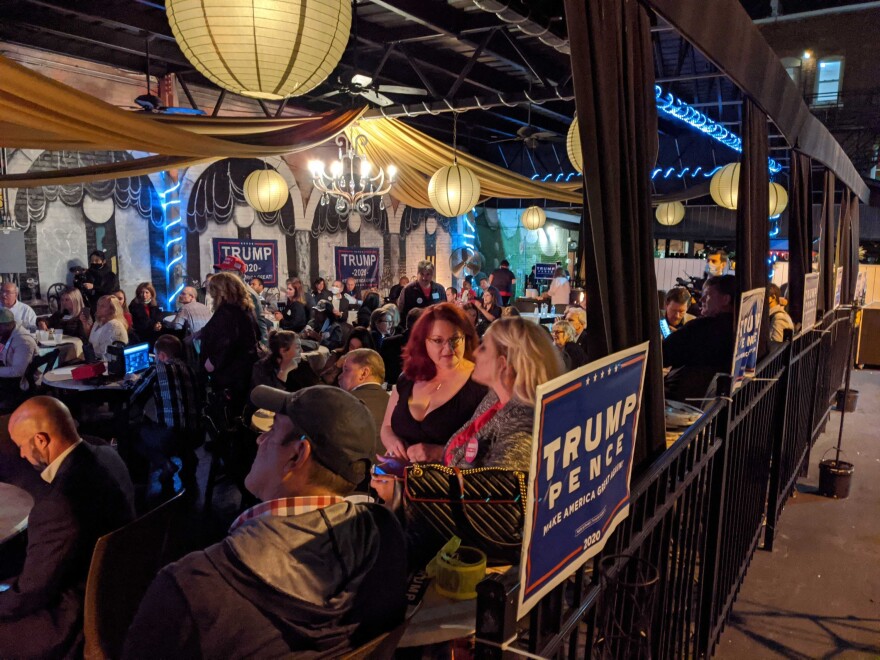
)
(88, 494)
(363, 373)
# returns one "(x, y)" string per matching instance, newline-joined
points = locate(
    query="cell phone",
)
(390, 466)
(665, 330)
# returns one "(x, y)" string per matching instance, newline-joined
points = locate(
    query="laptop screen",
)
(137, 358)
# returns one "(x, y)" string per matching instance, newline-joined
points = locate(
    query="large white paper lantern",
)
(573, 146)
(453, 190)
(533, 218)
(724, 186)
(265, 49)
(266, 190)
(778, 199)
(669, 213)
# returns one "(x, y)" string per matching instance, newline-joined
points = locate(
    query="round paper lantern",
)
(453, 190)
(573, 146)
(266, 190)
(431, 224)
(533, 218)
(724, 186)
(265, 50)
(354, 223)
(778, 199)
(669, 213)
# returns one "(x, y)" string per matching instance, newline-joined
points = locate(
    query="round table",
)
(69, 348)
(15, 506)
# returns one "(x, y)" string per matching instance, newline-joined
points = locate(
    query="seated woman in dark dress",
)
(435, 395)
(371, 302)
(283, 368)
(294, 313)
(145, 313)
(72, 317)
(489, 306)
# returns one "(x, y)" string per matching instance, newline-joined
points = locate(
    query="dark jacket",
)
(230, 341)
(91, 495)
(315, 585)
(294, 315)
(391, 351)
(376, 399)
(265, 373)
(143, 320)
(72, 326)
(104, 281)
(573, 356)
(696, 352)
(413, 296)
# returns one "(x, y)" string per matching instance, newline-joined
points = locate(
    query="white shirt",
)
(560, 291)
(52, 469)
(24, 315)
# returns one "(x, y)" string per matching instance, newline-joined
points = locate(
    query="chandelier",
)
(351, 181)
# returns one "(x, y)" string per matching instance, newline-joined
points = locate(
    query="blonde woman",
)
(72, 317)
(230, 338)
(109, 326)
(515, 357)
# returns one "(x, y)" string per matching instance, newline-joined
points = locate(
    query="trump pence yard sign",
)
(582, 455)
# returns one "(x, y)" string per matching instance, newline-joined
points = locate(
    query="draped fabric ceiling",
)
(39, 113)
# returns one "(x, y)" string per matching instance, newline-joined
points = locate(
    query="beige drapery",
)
(37, 112)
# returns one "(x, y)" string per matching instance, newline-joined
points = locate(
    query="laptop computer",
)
(137, 358)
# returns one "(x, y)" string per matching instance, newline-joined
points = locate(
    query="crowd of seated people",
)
(462, 384)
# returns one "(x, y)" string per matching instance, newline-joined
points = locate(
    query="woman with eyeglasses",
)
(515, 357)
(565, 339)
(436, 393)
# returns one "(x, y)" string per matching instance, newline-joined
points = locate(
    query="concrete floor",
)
(817, 595)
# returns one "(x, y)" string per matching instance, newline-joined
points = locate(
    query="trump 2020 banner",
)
(582, 456)
(748, 330)
(361, 263)
(544, 271)
(261, 257)
(811, 301)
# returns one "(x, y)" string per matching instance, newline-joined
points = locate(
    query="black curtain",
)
(613, 76)
(826, 244)
(752, 213)
(847, 255)
(800, 231)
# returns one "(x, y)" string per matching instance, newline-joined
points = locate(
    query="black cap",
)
(339, 426)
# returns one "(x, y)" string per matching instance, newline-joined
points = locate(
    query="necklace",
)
(439, 385)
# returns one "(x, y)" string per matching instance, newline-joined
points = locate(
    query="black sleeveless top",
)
(439, 424)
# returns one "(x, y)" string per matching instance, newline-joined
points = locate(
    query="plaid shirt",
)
(286, 506)
(173, 386)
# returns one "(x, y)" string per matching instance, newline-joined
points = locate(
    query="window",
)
(828, 79)
(793, 69)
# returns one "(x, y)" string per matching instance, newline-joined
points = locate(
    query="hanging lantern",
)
(669, 213)
(431, 224)
(573, 146)
(264, 50)
(778, 199)
(266, 190)
(354, 223)
(724, 186)
(453, 190)
(533, 218)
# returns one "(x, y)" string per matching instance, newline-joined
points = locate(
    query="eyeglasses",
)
(558, 333)
(452, 341)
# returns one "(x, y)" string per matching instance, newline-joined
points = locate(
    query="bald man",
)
(88, 494)
(191, 314)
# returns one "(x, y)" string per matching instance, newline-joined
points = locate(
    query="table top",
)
(15, 506)
(62, 379)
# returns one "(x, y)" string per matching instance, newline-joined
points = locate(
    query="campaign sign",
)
(582, 456)
(360, 263)
(748, 329)
(811, 301)
(838, 285)
(545, 271)
(861, 288)
(261, 257)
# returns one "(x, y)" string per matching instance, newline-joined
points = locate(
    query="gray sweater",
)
(505, 441)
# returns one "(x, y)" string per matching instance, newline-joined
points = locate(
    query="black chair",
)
(37, 368)
(124, 564)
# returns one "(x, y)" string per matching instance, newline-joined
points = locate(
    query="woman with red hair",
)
(435, 395)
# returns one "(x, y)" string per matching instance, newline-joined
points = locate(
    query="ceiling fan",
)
(531, 137)
(362, 85)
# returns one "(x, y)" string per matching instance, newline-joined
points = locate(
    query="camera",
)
(79, 276)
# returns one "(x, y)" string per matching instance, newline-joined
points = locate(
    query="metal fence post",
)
(771, 515)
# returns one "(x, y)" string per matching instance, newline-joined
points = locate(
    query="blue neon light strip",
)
(674, 107)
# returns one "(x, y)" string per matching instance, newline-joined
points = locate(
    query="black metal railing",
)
(697, 515)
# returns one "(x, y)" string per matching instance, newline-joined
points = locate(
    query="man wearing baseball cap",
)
(17, 349)
(305, 571)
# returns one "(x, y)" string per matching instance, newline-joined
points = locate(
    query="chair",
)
(124, 564)
(39, 366)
